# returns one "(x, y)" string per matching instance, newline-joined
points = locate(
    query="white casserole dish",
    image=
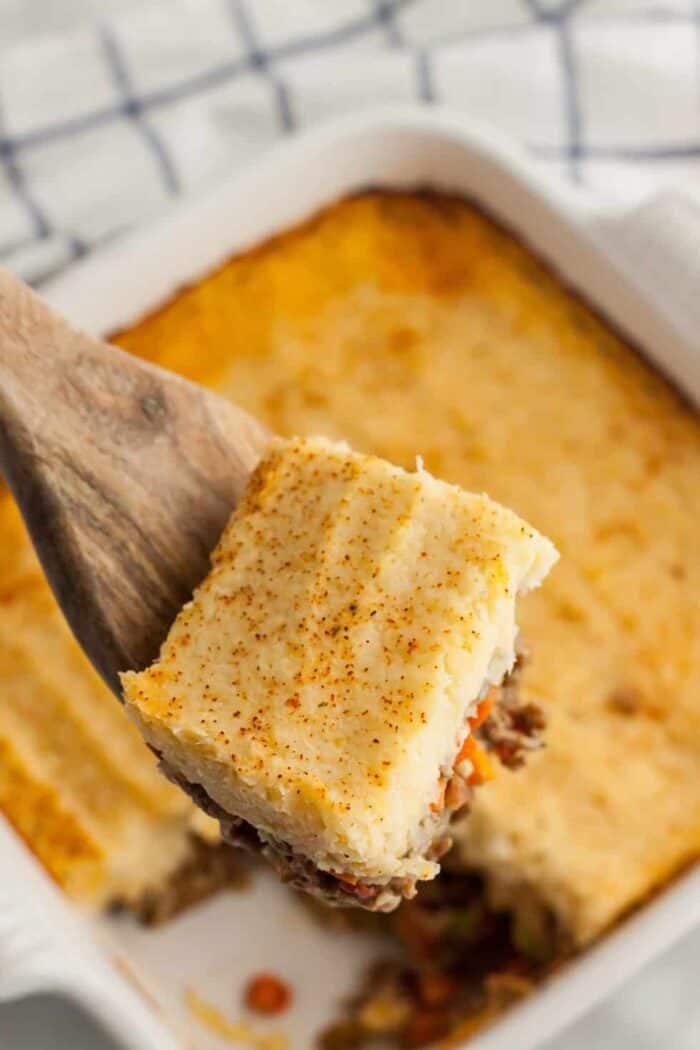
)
(45, 943)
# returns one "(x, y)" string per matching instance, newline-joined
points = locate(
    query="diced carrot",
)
(467, 750)
(483, 768)
(349, 879)
(483, 711)
(267, 994)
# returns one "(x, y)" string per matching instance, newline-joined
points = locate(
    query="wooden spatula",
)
(125, 475)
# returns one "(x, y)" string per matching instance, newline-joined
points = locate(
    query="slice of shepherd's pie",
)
(320, 693)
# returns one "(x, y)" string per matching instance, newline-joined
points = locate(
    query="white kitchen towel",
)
(100, 128)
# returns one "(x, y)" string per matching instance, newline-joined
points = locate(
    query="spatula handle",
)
(125, 475)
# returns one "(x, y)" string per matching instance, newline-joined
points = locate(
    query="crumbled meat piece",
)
(437, 989)
(424, 1029)
(505, 988)
(514, 726)
(208, 868)
(347, 1034)
(439, 847)
(460, 966)
(293, 869)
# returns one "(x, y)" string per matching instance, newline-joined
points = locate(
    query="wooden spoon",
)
(125, 475)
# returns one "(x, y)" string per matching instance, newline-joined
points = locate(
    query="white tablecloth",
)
(160, 97)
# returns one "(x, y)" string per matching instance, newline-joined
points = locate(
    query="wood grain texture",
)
(125, 475)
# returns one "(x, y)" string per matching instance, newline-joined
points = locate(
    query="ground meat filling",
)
(295, 870)
(460, 963)
(208, 868)
(512, 728)
(515, 726)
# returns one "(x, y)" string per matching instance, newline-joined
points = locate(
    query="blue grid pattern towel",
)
(102, 127)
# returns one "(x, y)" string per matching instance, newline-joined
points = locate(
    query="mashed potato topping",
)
(474, 354)
(320, 683)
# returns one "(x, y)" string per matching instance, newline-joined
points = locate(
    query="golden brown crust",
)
(320, 682)
(76, 780)
(57, 838)
(403, 322)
